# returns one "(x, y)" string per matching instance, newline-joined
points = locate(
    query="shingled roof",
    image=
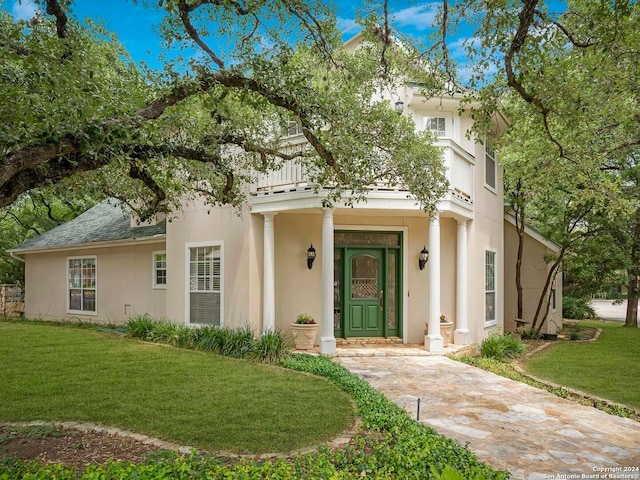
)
(105, 222)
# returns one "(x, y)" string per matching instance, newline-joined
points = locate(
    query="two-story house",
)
(380, 269)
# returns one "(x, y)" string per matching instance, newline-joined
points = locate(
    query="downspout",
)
(13, 255)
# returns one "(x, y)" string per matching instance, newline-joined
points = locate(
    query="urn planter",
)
(446, 331)
(304, 335)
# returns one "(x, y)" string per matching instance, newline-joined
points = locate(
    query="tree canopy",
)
(74, 102)
(569, 83)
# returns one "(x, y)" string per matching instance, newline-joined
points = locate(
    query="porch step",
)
(368, 341)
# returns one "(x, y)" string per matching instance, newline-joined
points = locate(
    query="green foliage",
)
(305, 319)
(577, 308)
(231, 342)
(32, 215)
(400, 447)
(594, 367)
(527, 333)
(187, 397)
(271, 347)
(389, 445)
(501, 347)
(155, 138)
(29, 432)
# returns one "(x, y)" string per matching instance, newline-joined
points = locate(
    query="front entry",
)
(367, 284)
(364, 299)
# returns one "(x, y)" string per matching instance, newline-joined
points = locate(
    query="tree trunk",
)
(631, 319)
(520, 224)
(545, 294)
(633, 285)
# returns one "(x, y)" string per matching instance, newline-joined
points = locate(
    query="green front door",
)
(364, 292)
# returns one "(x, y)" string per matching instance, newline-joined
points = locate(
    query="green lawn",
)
(59, 373)
(606, 368)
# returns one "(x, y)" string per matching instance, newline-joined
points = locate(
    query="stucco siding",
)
(124, 284)
(237, 232)
(534, 275)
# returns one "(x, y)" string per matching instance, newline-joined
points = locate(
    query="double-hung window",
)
(82, 278)
(490, 167)
(490, 286)
(205, 284)
(160, 269)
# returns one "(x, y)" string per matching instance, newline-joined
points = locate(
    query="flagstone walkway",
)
(509, 425)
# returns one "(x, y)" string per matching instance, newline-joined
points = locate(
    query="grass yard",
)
(606, 368)
(62, 373)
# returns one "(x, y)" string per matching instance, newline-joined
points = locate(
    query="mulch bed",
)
(74, 448)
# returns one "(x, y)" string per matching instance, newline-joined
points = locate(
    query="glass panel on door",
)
(364, 277)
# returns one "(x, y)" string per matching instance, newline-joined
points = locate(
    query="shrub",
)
(140, 326)
(528, 334)
(501, 346)
(271, 347)
(239, 342)
(577, 308)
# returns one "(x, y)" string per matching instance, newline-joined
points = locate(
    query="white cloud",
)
(457, 47)
(421, 17)
(24, 9)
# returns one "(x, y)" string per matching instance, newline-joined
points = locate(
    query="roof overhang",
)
(533, 233)
(161, 238)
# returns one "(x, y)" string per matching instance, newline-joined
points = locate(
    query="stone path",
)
(510, 425)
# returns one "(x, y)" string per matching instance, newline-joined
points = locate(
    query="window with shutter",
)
(205, 285)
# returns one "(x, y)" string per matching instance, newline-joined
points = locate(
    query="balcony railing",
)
(458, 162)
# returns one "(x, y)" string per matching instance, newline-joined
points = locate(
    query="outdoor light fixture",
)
(399, 106)
(311, 256)
(423, 258)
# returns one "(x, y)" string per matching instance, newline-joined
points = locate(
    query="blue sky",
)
(134, 24)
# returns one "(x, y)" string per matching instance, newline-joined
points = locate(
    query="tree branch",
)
(566, 32)
(54, 8)
(185, 10)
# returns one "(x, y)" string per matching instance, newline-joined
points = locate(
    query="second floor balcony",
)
(459, 164)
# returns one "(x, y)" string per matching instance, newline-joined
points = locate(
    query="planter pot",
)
(304, 335)
(446, 330)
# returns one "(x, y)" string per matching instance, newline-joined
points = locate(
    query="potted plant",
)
(446, 329)
(304, 331)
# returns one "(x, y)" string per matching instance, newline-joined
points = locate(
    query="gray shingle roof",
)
(104, 222)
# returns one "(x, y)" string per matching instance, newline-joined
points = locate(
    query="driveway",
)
(509, 425)
(607, 310)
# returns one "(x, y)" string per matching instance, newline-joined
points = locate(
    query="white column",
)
(327, 338)
(462, 336)
(269, 276)
(433, 341)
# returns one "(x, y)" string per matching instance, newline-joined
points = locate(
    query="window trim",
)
(93, 313)
(494, 321)
(154, 270)
(494, 157)
(187, 270)
(449, 126)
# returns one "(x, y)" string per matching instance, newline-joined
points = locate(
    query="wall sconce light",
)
(423, 258)
(399, 106)
(311, 256)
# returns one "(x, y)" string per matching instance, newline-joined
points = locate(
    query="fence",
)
(11, 302)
